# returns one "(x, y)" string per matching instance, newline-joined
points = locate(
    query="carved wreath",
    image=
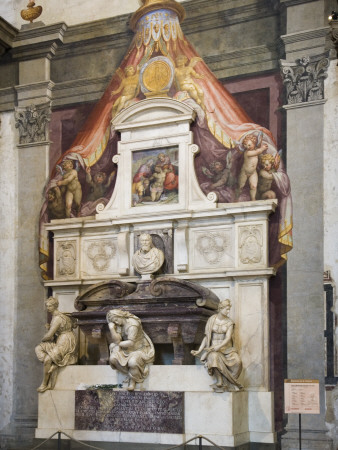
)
(100, 253)
(212, 246)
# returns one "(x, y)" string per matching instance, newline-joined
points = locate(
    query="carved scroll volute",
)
(204, 297)
(103, 294)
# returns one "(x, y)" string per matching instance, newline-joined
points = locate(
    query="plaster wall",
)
(8, 243)
(72, 13)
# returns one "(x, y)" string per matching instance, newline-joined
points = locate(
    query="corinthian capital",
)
(32, 123)
(304, 79)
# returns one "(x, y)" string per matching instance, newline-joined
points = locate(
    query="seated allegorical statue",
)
(148, 259)
(219, 355)
(131, 350)
(58, 346)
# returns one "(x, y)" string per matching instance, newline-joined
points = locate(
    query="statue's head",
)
(181, 59)
(67, 164)
(224, 304)
(51, 303)
(146, 242)
(129, 70)
(118, 316)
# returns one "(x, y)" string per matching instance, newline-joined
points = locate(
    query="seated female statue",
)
(219, 354)
(131, 349)
(58, 346)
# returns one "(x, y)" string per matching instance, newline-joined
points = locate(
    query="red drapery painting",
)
(220, 130)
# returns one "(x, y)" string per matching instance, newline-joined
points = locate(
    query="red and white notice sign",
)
(301, 396)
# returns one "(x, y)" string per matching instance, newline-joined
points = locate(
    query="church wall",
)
(8, 280)
(73, 12)
(81, 70)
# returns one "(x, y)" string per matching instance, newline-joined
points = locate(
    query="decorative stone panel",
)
(99, 257)
(211, 248)
(250, 245)
(66, 260)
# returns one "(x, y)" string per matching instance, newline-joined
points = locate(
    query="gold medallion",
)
(157, 76)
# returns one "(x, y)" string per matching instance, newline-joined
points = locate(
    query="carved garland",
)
(101, 253)
(212, 246)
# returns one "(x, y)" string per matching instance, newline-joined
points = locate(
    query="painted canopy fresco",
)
(238, 159)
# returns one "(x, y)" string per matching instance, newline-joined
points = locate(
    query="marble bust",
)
(148, 259)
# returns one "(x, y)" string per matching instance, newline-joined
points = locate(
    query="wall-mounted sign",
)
(301, 396)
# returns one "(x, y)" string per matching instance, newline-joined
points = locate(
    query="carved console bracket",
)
(304, 79)
(32, 123)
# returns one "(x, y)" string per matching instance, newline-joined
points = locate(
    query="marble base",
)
(228, 419)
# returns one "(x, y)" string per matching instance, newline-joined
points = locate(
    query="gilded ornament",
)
(149, 6)
(157, 76)
(32, 12)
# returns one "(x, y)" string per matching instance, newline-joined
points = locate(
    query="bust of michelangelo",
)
(148, 259)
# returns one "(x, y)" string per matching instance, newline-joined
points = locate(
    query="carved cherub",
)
(71, 185)
(99, 184)
(265, 176)
(184, 78)
(129, 86)
(253, 147)
(56, 204)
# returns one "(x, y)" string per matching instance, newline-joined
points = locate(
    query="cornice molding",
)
(224, 15)
(36, 34)
(38, 42)
(304, 105)
(295, 2)
(299, 36)
(7, 35)
(7, 99)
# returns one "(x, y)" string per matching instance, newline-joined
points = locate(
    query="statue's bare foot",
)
(42, 388)
(132, 385)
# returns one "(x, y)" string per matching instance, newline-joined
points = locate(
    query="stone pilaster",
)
(304, 81)
(32, 49)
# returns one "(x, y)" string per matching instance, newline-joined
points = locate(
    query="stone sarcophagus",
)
(172, 311)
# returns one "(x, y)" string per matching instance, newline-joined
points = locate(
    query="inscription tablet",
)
(138, 411)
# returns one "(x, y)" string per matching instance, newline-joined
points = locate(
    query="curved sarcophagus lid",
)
(100, 294)
(162, 287)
